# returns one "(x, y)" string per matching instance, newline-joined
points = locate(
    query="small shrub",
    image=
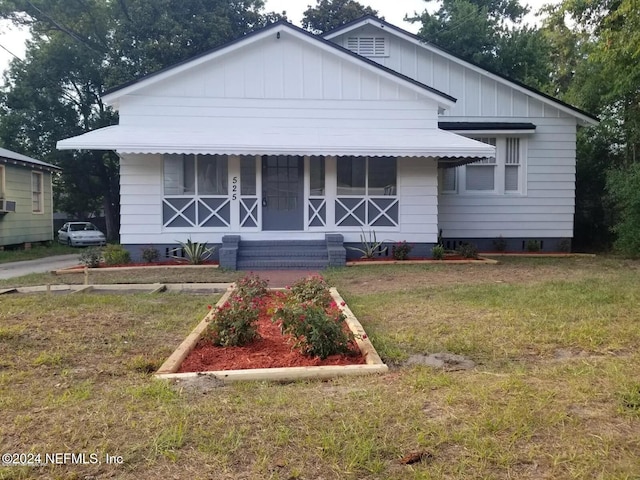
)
(250, 287)
(91, 257)
(318, 332)
(150, 254)
(312, 289)
(116, 255)
(234, 323)
(565, 246)
(467, 250)
(533, 246)
(500, 244)
(400, 250)
(437, 252)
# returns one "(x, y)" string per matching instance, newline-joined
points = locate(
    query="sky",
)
(393, 11)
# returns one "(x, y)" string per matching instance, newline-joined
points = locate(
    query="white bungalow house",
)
(283, 147)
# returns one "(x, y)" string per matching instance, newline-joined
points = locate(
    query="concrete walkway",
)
(41, 265)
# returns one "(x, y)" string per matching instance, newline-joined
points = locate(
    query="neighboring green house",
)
(26, 199)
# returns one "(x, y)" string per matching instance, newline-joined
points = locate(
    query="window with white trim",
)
(195, 175)
(368, 46)
(502, 174)
(36, 192)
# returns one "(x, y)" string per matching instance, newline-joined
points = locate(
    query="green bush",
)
(467, 250)
(312, 289)
(91, 257)
(437, 252)
(623, 188)
(401, 250)
(234, 323)
(116, 255)
(500, 244)
(150, 254)
(250, 287)
(318, 332)
(533, 246)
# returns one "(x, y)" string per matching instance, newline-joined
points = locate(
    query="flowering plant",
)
(400, 250)
(312, 289)
(234, 323)
(318, 331)
(251, 286)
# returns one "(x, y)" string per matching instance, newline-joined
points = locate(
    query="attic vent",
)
(368, 46)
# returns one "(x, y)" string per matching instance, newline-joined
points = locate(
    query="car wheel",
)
(69, 242)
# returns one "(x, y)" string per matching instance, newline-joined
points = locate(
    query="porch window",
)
(367, 193)
(196, 191)
(195, 175)
(316, 176)
(36, 192)
(247, 176)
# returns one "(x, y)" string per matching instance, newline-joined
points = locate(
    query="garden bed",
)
(392, 261)
(270, 358)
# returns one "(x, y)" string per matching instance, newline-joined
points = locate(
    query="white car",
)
(81, 234)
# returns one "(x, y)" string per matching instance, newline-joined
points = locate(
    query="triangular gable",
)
(369, 20)
(268, 36)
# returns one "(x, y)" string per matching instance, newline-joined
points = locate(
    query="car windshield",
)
(77, 227)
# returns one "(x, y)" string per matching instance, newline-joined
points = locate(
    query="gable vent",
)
(368, 46)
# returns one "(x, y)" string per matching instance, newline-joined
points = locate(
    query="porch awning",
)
(428, 142)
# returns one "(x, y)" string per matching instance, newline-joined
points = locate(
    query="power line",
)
(9, 52)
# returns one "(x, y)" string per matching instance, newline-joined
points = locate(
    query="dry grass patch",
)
(555, 394)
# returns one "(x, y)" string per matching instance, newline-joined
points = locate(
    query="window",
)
(503, 174)
(195, 175)
(512, 166)
(36, 192)
(247, 176)
(481, 174)
(368, 46)
(367, 176)
(316, 176)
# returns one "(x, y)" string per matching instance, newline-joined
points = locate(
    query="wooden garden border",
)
(373, 364)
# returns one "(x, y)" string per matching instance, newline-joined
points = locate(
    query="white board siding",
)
(282, 69)
(547, 209)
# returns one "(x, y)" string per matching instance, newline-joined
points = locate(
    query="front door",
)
(282, 193)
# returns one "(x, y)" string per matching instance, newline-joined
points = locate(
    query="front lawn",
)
(555, 392)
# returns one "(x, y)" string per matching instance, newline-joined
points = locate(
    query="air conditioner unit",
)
(7, 206)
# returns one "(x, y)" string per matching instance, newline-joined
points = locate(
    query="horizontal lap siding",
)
(140, 199)
(417, 187)
(546, 210)
(23, 225)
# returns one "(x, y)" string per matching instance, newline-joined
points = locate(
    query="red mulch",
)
(272, 350)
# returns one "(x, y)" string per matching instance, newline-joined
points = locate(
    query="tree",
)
(78, 49)
(330, 14)
(485, 32)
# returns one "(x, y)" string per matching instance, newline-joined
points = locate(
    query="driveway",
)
(42, 265)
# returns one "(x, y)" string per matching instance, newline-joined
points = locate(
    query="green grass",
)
(555, 392)
(35, 252)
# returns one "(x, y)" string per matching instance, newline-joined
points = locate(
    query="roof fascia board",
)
(492, 132)
(32, 166)
(443, 100)
(399, 32)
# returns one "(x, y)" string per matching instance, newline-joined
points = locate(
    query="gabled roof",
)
(416, 40)
(9, 157)
(112, 96)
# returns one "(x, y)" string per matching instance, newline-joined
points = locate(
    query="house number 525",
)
(234, 188)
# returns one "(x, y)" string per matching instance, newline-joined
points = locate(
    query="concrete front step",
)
(281, 253)
(282, 264)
